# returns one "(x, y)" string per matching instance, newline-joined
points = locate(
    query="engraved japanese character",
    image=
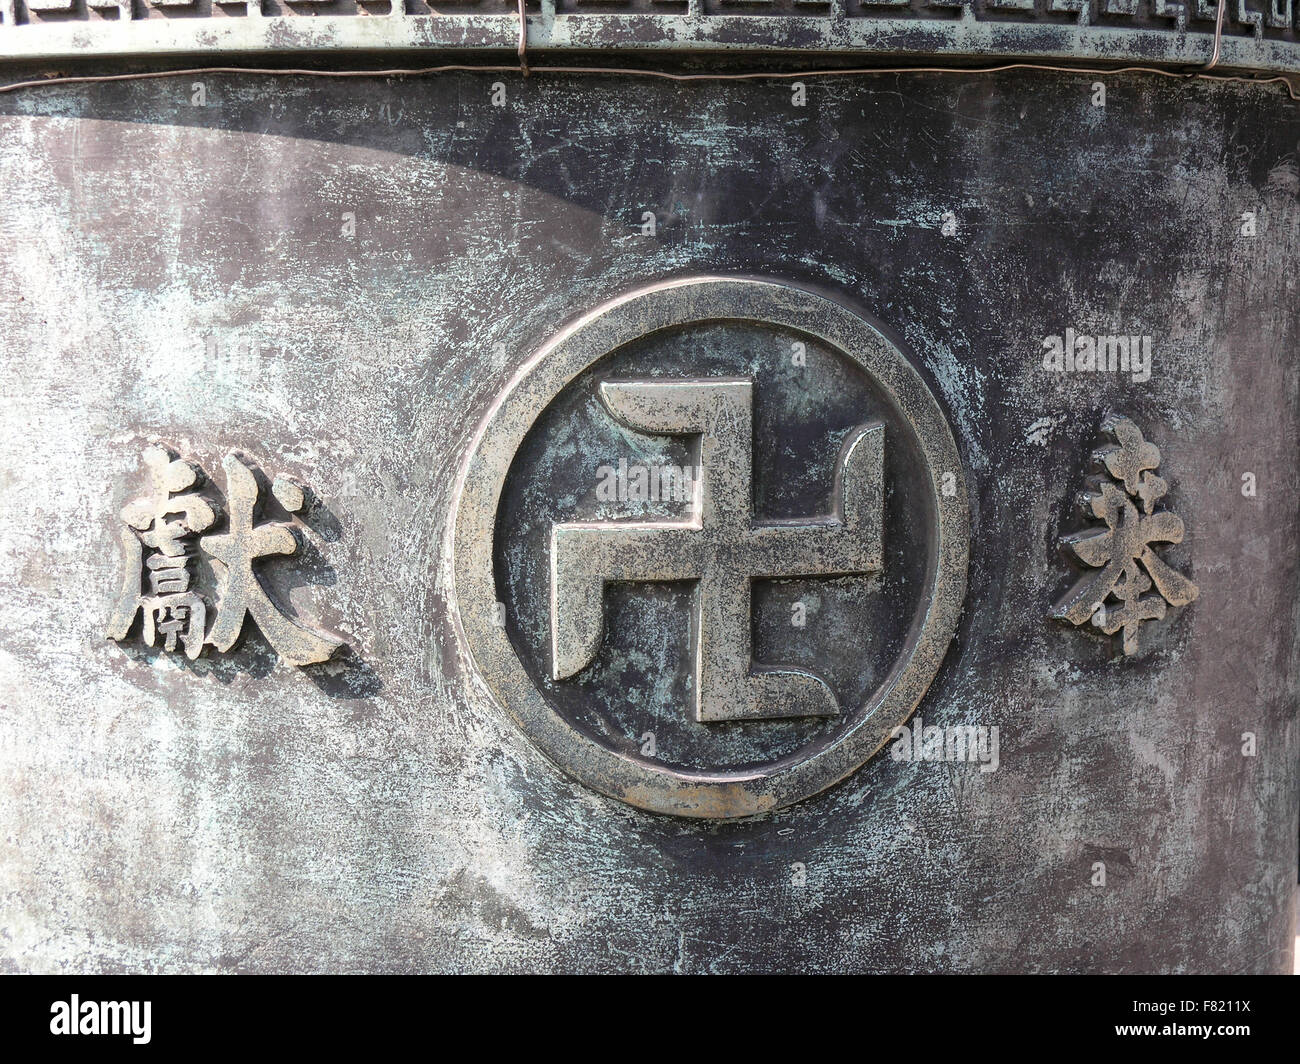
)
(158, 538)
(1123, 550)
(162, 536)
(242, 593)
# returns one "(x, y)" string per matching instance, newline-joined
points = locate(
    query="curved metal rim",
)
(1185, 42)
(482, 478)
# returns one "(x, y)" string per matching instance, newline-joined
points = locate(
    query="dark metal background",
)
(182, 270)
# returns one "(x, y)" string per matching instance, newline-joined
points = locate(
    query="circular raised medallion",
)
(710, 546)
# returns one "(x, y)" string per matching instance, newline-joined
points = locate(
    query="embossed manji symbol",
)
(720, 545)
(597, 617)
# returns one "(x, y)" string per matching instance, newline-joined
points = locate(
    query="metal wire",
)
(523, 39)
(647, 73)
(1218, 35)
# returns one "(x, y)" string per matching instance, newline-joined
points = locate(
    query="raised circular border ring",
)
(540, 380)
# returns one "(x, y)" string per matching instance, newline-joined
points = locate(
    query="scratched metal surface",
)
(183, 271)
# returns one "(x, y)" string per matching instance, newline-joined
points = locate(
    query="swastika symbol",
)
(719, 546)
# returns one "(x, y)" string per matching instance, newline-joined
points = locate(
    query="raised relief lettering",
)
(164, 533)
(1124, 497)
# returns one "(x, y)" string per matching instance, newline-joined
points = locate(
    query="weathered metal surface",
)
(1264, 35)
(344, 278)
